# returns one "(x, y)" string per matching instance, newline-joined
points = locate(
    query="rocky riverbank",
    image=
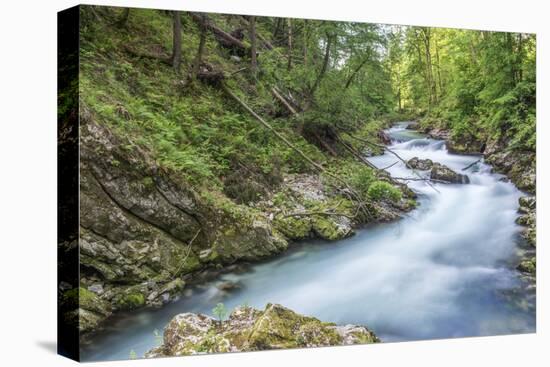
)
(519, 167)
(147, 234)
(248, 329)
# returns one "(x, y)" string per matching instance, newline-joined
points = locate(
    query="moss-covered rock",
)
(294, 228)
(528, 266)
(88, 309)
(131, 301)
(249, 329)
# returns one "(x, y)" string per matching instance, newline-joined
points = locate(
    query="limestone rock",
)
(420, 164)
(249, 329)
(443, 173)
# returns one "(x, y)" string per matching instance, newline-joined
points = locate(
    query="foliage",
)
(220, 311)
(382, 190)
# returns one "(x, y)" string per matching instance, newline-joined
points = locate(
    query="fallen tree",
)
(222, 36)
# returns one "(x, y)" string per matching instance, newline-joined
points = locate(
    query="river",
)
(447, 269)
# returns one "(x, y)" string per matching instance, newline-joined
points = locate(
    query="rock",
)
(249, 329)
(443, 173)
(421, 164)
(528, 266)
(97, 288)
(529, 202)
(439, 134)
(140, 223)
(88, 310)
(229, 286)
(384, 137)
(528, 218)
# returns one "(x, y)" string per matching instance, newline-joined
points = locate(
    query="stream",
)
(447, 269)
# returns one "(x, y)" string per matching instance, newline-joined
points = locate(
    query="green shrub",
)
(381, 190)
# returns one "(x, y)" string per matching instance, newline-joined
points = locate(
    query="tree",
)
(176, 41)
(123, 20)
(253, 52)
(200, 51)
(289, 42)
(328, 42)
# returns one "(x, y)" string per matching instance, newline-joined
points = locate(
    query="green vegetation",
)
(479, 84)
(381, 190)
(220, 311)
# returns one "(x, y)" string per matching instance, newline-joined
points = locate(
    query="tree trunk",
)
(357, 69)
(198, 58)
(438, 69)
(253, 61)
(123, 20)
(276, 30)
(305, 41)
(289, 36)
(323, 68)
(176, 41)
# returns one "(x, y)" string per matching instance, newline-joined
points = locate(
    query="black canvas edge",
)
(68, 22)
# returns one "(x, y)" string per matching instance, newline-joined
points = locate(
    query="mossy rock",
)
(327, 229)
(528, 266)
(131, 301)
(294, 228)
(249, 329)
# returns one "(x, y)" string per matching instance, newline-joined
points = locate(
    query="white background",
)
(28, 181)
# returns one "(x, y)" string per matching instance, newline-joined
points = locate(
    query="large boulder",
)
(444, 174)
(249, 329)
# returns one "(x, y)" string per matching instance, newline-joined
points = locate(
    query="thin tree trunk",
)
(438, 69)
(176, 41)
(198, 58)
(277, 29)
(289, 37)
(357, 69)
(123, 20)
(323, 68)
(305, 41)
(253, 61)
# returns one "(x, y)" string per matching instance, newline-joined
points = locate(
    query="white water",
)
(446, 270)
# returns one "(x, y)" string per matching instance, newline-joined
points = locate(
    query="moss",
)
(528, 266)
(131, 301)
(327, 229)
(294, 228)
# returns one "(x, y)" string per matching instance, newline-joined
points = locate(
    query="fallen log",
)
(283, 101)
(230, 40)
(354, 195)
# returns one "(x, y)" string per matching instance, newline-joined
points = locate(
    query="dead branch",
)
(390, 166)
(427, 179)
(188, 252)
(355, 153)
(352, 192)
(471, 164)
(395, 154)
(283, 101)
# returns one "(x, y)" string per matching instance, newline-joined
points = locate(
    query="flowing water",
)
(445, 270)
